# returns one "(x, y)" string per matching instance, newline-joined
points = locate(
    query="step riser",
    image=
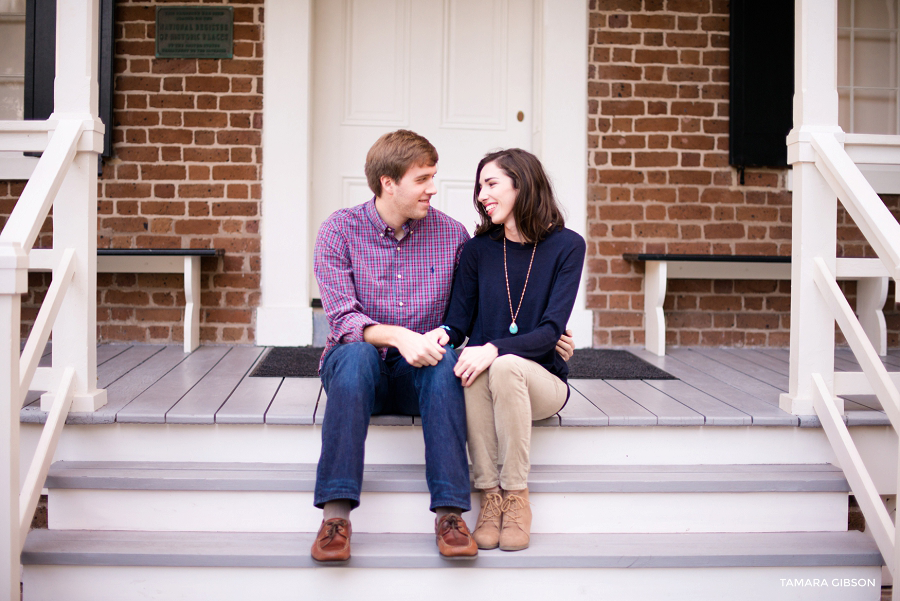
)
(71, 509)
(647, 445)
(52, 583)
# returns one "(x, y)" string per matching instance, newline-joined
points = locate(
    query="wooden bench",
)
(870, 275)
(151, 260)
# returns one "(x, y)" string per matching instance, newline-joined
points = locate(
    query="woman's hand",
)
(439, 336)
(474, 360)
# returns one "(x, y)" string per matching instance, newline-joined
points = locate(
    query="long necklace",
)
(513, 328)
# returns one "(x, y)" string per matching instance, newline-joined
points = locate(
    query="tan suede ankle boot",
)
(515, 533)
(487, 528)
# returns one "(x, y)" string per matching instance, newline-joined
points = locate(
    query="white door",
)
(459, 72)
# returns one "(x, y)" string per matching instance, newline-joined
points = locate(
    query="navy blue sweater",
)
(479, 306)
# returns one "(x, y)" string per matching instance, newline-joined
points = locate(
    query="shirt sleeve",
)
(564, 288)
(334, 272)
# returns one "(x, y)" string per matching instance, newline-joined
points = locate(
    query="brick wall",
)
(186, 173)
(659, 179)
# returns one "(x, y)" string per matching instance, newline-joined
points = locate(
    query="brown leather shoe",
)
(453, 538)
(332, 543)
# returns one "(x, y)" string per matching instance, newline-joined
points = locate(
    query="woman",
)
(513, 293)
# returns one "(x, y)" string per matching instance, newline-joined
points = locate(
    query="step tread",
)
(123, 475)
(220, 549)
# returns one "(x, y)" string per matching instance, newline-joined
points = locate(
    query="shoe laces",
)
(451, 522)
(510, 508)
(333, 529)
(492, 506)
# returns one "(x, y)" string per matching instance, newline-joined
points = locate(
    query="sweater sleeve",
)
(564, 288)
(463, 307)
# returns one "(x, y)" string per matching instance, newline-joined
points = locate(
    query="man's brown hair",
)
(394, 153)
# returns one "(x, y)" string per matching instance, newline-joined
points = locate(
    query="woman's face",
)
(497, 195)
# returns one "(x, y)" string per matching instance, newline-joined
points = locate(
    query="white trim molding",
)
(284, 317)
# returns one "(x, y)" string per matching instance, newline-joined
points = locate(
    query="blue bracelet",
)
(450, 332)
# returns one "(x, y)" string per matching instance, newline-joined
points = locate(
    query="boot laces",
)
(492, 507)
(510, 508)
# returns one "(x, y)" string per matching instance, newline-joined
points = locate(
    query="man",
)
(385, 270)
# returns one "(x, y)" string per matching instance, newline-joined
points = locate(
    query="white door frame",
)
(284, 317)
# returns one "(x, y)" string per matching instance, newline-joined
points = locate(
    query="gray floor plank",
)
(622, 411)
(667, 410)
(291, 550)
(759, 399)
(777, 365)
(579, 411)
(738, 363)
(271, 477)
(150, 406)
(295, 402)
(105, 352)
(719, 403)
(249, 401)
(200, 404)
(119, 365)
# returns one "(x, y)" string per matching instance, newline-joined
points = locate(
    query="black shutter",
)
(762, 82)
(40, 57)
(40, 62)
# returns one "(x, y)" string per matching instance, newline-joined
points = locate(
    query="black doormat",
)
(611, 364)
(601, 364)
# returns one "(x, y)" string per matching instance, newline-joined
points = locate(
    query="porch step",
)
(155, 565)
(266, 497)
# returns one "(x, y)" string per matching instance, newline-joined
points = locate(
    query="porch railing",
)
(58, 141)
(882, 231)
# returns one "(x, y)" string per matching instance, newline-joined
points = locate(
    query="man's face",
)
(411, 196)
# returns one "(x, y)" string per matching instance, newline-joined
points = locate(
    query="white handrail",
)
(868, 211)
(43, 456)
(27, 218)
(877, 518)
(40, 331)
(862, 348)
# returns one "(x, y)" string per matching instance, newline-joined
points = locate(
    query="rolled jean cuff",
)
(320, 500)
(463, 503)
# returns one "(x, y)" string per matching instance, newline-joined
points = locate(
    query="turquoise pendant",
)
(513, 328)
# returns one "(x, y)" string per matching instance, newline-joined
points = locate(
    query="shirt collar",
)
(383, 228)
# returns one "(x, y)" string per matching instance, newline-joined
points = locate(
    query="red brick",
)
(229, 172)
(170, 101)
(645, 21)
(655, 159)
(618, 73)
(205, 119)
(123, 190)
(201, 191)
(163, 172)
(687, 74)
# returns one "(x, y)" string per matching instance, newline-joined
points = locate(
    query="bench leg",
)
(192, 303)
(871, 294)
(654, 320)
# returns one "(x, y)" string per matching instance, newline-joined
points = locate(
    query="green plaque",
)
(194, 32)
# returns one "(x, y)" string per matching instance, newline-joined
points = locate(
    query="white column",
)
(561, 53)
(814, 203)
(284, 317)
(75, 206)
(13, 283)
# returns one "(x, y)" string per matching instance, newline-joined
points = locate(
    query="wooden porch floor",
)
(716, 387)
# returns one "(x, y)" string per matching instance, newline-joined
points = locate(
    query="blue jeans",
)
(360, 384)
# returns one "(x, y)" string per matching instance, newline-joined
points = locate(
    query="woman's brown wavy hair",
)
(536, 211)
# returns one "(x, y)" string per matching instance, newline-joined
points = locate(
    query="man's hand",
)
(438, 336)
(474, 360)
(418, 349)
(565, 346)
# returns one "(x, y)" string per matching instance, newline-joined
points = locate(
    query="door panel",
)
(459, 72)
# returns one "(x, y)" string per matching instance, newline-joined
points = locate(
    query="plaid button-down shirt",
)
(366, 276)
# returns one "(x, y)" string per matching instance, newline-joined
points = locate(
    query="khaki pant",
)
(500, 406)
